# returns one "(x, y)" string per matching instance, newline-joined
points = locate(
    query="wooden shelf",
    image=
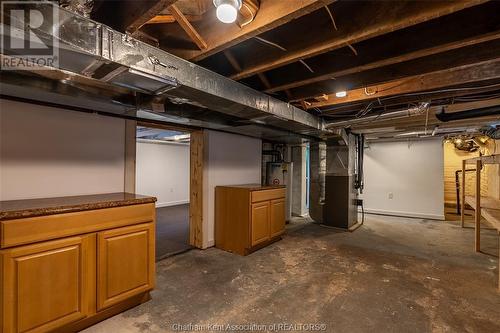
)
(486, 202)
(490, 209)
(486, 207)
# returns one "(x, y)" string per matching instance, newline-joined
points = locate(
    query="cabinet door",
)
(260, 222)
(47, 285)
(277, 217)
(125, 263)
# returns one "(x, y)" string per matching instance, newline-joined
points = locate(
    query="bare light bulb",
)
(341, 94)
(226, 13)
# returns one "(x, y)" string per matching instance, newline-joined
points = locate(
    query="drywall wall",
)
(229, 160)
(50, 152)
(162, 171)
(405, 178)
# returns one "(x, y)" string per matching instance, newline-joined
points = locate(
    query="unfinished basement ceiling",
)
(386, 55)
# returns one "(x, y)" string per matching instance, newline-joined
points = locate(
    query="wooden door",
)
(125, 263)
(277, 217)
(260, 222)
(48, 285)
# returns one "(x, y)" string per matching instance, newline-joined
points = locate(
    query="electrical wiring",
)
(379, 100)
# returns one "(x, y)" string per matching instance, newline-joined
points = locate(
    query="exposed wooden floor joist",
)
(391, 16)
(271, 15)
(142, 12)
(390, 61)
(466, 74)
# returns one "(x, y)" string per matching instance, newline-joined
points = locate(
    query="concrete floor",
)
(172, 230)
(391, 275)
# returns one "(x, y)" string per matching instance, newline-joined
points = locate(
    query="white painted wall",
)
(229, 159)
(412, 172)
(162, 171)
(50, 152)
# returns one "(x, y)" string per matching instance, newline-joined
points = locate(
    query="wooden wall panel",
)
(493, 171)
(453, 161)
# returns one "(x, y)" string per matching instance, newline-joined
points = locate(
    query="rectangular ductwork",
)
(94, 53)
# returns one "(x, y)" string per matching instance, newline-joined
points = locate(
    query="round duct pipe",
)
(415, 111)
(468, 114)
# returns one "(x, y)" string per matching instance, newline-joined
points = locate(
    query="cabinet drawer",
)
(41, 228)
(268, 194)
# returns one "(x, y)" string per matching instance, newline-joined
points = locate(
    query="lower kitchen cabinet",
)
(277, 221)
(125, 263)
(260, 222)
(248, 217)
(48, 285)
(83, 267)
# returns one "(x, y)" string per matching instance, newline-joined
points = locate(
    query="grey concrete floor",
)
(391, 275)
(172, 230)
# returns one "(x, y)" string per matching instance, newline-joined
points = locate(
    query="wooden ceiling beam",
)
(149, 9)
(162, 19)
(487, 70)
(420, 122)
(271, 14)
(390, 61)
(188, 27)
(415, 122)
(402, 101)
(397, 15)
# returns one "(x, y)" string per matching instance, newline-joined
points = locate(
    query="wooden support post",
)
(478, 206)
(130, 158)
(197, 148)
(462, 195)
(499, 260)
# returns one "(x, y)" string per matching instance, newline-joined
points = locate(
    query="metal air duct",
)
(93, 54)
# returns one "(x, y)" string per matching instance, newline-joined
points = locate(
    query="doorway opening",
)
(163, 171)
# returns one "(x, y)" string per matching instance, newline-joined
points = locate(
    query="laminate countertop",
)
(15, 209)
(255, 187)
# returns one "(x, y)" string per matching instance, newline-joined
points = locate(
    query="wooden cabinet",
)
(260, 222)
(125, 264)
(65, 271)
(248, 217)
(47, 285)
(277, 220)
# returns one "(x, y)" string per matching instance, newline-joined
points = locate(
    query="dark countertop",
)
(15, 209)
(255, 187)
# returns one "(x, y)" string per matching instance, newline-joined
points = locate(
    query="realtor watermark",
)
(250, 327)
(28, 32)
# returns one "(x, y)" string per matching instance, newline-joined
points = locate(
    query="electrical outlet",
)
(391, 195)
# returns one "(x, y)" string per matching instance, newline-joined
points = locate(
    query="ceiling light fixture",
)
(341, 94)
(227, 10)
